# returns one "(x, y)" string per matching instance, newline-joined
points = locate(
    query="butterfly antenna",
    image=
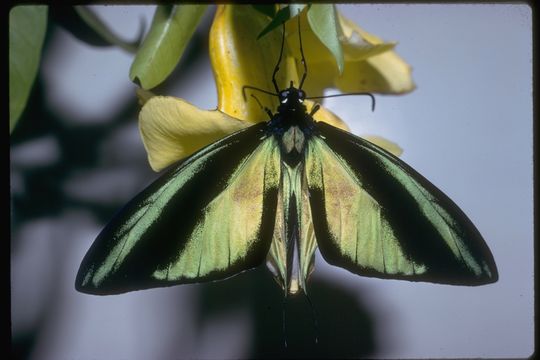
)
(284, 327)
(348, 94)
(301, 53)
(314, 317)
(276, 69)
(255, 88)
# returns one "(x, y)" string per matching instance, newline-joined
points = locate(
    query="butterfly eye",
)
(283, 96)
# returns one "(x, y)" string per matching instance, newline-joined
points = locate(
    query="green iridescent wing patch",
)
(208, 218)
(376, 216)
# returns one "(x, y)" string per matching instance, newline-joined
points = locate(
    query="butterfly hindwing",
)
(207, 218)
(376, 216)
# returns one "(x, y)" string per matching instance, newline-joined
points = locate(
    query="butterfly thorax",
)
(291, 125)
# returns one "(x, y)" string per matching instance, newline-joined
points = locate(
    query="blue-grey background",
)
(76, 157)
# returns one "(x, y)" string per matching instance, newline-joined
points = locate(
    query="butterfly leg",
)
(314, 109)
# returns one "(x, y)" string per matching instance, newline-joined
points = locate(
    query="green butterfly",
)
(273, 193)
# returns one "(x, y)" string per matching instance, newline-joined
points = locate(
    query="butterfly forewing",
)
(208, 218)
(376, 216)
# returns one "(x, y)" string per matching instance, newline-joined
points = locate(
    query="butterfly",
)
(275, 192)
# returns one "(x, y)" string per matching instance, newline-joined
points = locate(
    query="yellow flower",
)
(172, 129)
(371, 65)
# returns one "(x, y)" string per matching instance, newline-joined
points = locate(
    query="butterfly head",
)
(291, 99)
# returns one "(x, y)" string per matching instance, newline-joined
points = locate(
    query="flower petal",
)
(386, 144)
(239, 59)
(358, 43)
(172, 129)
(370, 64)
(385, 73)
(381, 72)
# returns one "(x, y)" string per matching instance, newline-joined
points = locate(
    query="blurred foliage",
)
(27, 26)
(83, 23)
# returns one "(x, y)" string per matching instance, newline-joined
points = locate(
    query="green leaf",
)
(90, 18)
(161, 50)
(281, 17)
(266, 9)
(323, 21)
(27, 25)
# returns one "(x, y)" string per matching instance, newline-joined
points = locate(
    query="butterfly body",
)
(274, 193)
(292, 128)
